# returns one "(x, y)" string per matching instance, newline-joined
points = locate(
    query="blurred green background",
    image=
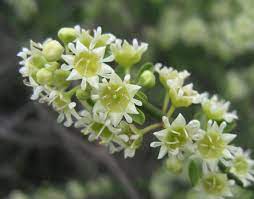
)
(214, 40)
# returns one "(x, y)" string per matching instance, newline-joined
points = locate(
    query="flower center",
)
(87, 64)
(213, 110)
(214, 183)
(211, 146)
(97, 127)
(176, 138)
(115, 97)
(60, 103)
(241, 165)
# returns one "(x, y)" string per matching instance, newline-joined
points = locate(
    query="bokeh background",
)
(214, 40)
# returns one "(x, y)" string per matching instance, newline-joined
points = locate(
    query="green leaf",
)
(139, 118)
(195, 171)
(141, 96)
(146, 66)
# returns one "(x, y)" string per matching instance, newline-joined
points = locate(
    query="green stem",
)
(154, 111)
(86, 105)
(151, 127)
(171, 111)
(134, 128)
(165, 103)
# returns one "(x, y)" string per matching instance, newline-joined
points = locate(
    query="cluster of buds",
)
(86, 77)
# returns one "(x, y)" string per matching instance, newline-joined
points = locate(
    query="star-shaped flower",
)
(176, 137)
(87, 64)
(116, 98)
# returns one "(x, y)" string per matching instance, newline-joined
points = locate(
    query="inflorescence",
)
(85, 77)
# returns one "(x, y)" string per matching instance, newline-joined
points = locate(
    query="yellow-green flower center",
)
(87, 64)
(241, 165)
(211, 146)
(212, 112)
(176, 138)
(115, 97)
(60, 103)
(214, 183)
(97, 127)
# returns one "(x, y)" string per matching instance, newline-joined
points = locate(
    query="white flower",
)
(126, 54)
(176, 137)
(242, 166)
(38, 90)
(218, 109)
(116, 98)
(97, 40)
(87, 64)
(170, 77)
(97, 126)
(215, 185)
(100, 39)
(184, 96)
(133, 144)
(62, 103)
(32, 59)
(213, 144)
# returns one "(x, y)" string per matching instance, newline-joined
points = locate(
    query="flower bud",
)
(52, 50)
(52, 66)
(67, 35)
(60, 77)
(174, 165)
(147, 79)
(82, 94)
(36, 62)
(44, 76)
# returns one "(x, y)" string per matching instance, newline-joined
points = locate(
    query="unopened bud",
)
(67, 35)
(82, 94)
(52, 50)
(60, 77)
(147, 79)
(36, 61)
(52, 66)
(44, 76)
(174, 165)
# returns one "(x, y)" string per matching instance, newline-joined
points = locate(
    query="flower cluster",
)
(87, 78)
(76, 76)
(205, 141)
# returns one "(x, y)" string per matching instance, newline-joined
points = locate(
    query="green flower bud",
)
(174, 165)
(52, 66)
(44, 76)
(67, 35)
(147, 79)
(59, 78)
(36, 62)
(82, 94)
(52, 50)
